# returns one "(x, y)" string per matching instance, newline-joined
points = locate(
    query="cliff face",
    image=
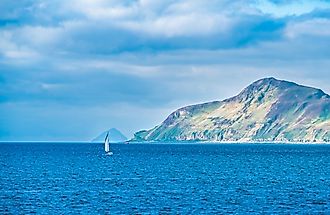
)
(267, 110)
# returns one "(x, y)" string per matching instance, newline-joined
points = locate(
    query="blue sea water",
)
(61, 178)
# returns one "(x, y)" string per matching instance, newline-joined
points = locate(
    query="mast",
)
(106, 143)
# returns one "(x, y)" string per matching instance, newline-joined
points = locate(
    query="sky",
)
(71, 69)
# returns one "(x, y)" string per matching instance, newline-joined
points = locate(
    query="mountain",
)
(267, 110)
(115, 136)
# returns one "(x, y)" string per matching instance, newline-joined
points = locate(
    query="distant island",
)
(115, 136)
(269, 110)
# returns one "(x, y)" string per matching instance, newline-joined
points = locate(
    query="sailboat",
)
(107, 145)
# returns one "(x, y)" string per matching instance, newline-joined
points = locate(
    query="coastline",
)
(230, 142)
(177, 142)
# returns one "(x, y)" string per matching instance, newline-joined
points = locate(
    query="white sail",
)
(106, 144)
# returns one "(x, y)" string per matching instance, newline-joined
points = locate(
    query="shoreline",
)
(230, 142)
(178, 142)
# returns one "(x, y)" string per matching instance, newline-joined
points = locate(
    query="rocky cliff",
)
(267, 110)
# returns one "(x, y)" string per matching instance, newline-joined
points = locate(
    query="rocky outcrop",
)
(267, 110)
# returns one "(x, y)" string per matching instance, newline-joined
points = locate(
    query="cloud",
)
(118, 26)
(181, 25)
(282, 8)
(85, 65)
(319, 27)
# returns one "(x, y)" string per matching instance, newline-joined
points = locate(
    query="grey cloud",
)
(72, 72)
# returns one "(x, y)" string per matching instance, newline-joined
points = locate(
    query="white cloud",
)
(12, 51)
(152, 56)
(21, 54)
(167, 18)
(314, 27)
(181, 25)
(39, 36)
(100, 10)
(291, 8)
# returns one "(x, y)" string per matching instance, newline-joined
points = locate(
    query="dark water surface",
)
(60, 178)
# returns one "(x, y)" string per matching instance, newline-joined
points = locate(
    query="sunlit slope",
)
(267, 110)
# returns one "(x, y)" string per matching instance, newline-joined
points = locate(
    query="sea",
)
(171, 178)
